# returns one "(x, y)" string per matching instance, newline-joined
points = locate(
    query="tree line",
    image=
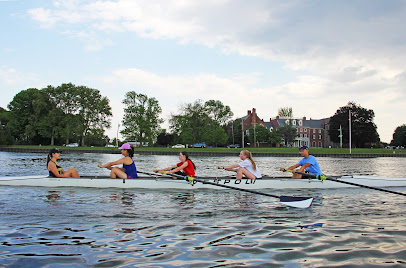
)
(69, 113)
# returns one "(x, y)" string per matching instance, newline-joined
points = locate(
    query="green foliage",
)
(275, 138)
(64, 112)
(215, 134)
(94, 111)
(164, 139)
(141, 117)
(363, 129)
(218, 111)
(197, 122)
(399, 136)
(288, 133)
(286, 112)
(29, 116)
(260, 135)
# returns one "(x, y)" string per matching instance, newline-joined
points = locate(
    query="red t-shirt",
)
(189, 170)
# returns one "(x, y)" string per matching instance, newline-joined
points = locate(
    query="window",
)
(320, 145)
(319, 130)
(320, 137)
(314, 137)
(287, 122)
(300, 122)
(294, 122)
(314, 144)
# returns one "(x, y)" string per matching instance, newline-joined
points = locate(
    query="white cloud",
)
(350, 51)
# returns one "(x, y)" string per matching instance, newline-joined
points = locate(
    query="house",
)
(311, 132)
(251, 119)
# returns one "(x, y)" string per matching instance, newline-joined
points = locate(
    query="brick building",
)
(311, 132)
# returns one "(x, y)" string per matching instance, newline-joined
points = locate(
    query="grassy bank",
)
(282, 150)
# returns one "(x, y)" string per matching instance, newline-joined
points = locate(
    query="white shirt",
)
(248, 166)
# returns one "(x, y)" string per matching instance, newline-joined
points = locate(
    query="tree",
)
(215, 134)
(399, 136)
(363, 128)
(141, 117)
(286, 112)
(275, 138)
(5, 136)
(93, 111)
(29, 116)
(191, 122)
(261, 135)
(198, 122)
(288, 133)
(218, 111)
(164, 139)
(66, 122)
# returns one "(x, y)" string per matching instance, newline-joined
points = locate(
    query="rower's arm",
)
(232, 167)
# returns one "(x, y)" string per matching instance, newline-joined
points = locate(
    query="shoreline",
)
(199, 153)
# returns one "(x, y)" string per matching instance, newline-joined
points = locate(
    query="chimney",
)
(253, 110)
(304, 118)
(277, 117)
(270, 119)
(249, 112)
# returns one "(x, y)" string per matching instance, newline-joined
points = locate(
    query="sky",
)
(313, 56)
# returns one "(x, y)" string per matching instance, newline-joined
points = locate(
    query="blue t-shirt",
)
(314, 168)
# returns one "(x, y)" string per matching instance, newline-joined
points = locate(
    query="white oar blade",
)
(296, 201)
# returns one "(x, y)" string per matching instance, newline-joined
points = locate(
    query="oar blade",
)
(296, 201)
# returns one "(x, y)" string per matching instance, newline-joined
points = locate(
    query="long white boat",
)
(162, 182)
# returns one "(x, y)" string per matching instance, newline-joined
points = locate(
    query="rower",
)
(246, 168)
(185, 167)
(129, 170)
(308, 164)
(55, 170)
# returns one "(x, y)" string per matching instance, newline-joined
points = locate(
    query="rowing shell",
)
(168, 183)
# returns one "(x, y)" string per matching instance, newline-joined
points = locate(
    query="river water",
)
(84, 227)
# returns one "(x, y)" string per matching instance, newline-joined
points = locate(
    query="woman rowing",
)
(129, 170)
(55, 170)
(185, 167)
(246, 168)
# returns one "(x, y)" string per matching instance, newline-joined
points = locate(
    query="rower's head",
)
(127, 150)
(304, 150)
(53, 153)
(244, 154)
(184, 156)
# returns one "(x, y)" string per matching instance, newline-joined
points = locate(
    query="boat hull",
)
(167, 183)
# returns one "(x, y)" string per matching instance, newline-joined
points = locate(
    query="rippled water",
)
(80, 227)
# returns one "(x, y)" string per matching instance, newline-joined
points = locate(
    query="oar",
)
(321, 177)
(293, 201)
(151, 174)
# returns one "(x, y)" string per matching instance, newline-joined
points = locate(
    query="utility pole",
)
(341, 137)
(349, 122)
(118, 127)
(242, 132)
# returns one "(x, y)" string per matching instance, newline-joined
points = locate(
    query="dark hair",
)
(130, 151)
(184, 153)
(52, 151)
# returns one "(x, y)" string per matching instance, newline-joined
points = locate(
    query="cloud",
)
(349, 52)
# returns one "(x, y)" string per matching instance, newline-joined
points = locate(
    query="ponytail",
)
(184, 153)
(130, 152)
(48, 159)
(248, 154)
